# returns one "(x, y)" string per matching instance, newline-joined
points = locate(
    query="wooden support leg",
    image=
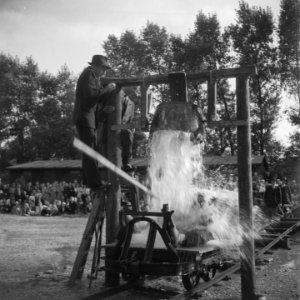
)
(82, 254)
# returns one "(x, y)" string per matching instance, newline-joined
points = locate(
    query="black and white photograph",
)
(150, 150)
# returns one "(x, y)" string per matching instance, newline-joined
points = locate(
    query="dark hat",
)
(100, 60)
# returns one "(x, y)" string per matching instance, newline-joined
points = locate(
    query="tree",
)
(289, 46)
(144, 54)
(19, 95)
(252, 40)
(147, 53)
(52, 133)
(36, 111)
(206, 48)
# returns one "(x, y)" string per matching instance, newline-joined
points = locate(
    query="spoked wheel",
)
(191, 280)
(208, 273)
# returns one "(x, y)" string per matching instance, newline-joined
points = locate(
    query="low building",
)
(70, 170)
(46, 171)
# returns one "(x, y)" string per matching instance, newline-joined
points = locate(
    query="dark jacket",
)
(88, 94)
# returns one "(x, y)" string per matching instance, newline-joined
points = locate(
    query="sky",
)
(70, 32)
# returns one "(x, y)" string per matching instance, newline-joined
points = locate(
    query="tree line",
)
(36, 107)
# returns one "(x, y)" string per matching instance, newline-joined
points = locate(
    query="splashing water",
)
(177, 177)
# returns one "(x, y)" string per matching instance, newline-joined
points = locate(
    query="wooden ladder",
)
(96, 217)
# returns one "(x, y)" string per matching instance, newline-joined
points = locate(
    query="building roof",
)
(231, 160)
(48, 164)
(137, 162)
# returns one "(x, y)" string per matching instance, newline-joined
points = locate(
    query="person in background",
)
(295, 191)
(129, 99)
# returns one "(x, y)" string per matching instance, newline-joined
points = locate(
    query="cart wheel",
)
(208, 274)
(191, 280)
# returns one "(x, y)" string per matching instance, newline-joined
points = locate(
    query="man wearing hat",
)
(89, 97)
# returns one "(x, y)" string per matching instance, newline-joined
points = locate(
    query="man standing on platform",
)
(89, 97)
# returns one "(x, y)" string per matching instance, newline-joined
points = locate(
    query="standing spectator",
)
(285, 193)
(38, 202)
(2, 203)
(294, 187)
(24, 203)
(12, 193)
(29, 188)
(261, 188)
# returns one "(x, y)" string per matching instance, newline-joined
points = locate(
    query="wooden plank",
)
(221, 123)
(284, 234)
(191, 250)
(229, 123)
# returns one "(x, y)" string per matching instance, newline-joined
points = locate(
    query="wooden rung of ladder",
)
(97, 212)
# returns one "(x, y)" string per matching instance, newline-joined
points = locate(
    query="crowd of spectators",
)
(274, 193)
(44, 199)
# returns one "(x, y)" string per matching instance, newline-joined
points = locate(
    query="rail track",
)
(276, 235)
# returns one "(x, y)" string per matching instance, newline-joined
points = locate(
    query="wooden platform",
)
(139, 242)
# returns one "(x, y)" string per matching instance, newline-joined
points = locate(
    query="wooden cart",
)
(152, 252)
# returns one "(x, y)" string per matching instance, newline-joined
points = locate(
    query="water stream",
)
(201, 202)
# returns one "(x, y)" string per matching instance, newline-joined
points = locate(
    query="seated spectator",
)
(7, 206)
(26, 210)
(73, 205)
(2, 203)
(53, 210)
(45, 211)
(89, 206)
(17, 208)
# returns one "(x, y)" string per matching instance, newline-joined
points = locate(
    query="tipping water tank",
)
(180, 116)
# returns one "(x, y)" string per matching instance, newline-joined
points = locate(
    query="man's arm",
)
(93, 89)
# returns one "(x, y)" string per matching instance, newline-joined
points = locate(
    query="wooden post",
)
(178, 88)
(145, 104)
(211, 99)
(114, 195)
(245, 190)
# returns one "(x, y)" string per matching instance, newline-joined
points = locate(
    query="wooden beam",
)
(221, 123)
(229, 123)
(197, 76)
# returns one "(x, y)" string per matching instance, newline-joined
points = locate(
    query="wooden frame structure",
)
(242, 122)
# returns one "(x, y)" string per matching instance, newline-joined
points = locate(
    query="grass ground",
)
(37, 255)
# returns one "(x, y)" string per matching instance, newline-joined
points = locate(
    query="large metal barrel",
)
(177, 116)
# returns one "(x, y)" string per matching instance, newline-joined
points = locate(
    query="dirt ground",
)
(37, 255)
